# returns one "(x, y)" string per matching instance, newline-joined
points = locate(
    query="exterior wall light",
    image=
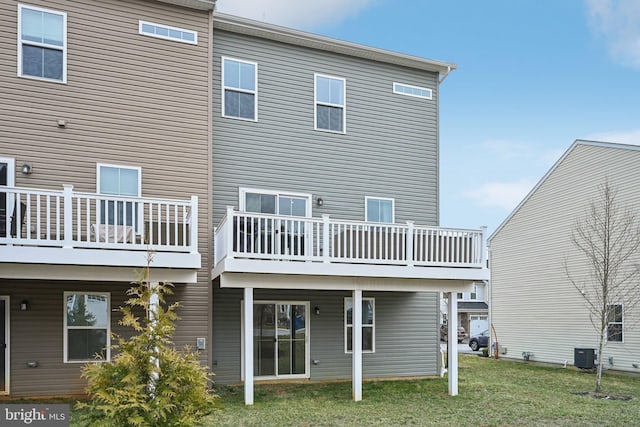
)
(24, 305)
(26, 169)
(319, 201)
(316, 310)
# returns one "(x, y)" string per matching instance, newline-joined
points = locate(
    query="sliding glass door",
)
(280, 341)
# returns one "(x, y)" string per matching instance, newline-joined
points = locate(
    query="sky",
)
(533, 76)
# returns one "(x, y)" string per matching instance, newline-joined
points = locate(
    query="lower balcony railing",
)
(272, 237)
(35, 217)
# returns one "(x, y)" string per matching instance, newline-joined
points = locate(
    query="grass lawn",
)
(492, 393)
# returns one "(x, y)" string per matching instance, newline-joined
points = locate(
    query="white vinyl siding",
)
(42, 44)
(330, 103)
(167, 32)
(239, 89)
(87, 326)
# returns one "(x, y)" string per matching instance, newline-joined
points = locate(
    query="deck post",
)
(356, 345)
(248, 346)
(452, 340)
(68, 215)
(230, 237)
(325, 238)
(409, 248)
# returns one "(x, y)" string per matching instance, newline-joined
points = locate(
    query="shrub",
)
(148, 382)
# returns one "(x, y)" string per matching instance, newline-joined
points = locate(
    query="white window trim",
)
(307, 343)
(63, 48)
(168, 27)
(242, 195)
(109, 165)
(373, 325)
(139, 225)
(253, 92)
(398, 92)
(316, 103)
(11, 171)
(616, 323)
(65, 330)
(393, 207)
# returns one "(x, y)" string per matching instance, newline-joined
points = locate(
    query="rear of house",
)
(534, 308)
(328, 256)
(103, 155)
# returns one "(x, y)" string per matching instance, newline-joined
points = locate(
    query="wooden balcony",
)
(263, 243)
(64, 227)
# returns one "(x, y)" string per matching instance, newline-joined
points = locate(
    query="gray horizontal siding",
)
(406, 339)
(389, 149)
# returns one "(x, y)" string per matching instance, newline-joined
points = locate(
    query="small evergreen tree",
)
(148, 382)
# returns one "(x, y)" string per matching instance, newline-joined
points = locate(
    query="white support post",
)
(452, 340)
(154, 303)
(356, 345)
(483, 247)
(230, 238)
(193, 230)
(409, 247)
(68, 215)
(325, 238)
(248, 346)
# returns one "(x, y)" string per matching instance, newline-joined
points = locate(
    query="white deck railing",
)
(69, 219)
(273, 237)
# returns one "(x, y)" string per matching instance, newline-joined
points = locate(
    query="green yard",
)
(492, 393)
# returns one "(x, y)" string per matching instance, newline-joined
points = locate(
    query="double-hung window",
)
(86, 326)
(368, 325)
(239, 89)
(42, 43)
(119, 181)
(330, 103)
(379, 210)
(615, 323)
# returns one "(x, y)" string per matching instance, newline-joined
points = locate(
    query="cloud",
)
(504, 195)
(623, 137)
(618, 21)
(294, 13)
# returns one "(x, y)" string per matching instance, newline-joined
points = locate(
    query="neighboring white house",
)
(534, 308)
(473, 309)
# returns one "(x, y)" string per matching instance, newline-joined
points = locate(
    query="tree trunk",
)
(599, 372)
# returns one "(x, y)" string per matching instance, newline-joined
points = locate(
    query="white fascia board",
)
(97, 257)
(341, 283)
(93, 273)
(345, 269)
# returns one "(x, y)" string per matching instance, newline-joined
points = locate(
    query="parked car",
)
(479, 341)
(444, 330)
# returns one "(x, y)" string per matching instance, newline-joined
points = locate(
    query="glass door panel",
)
(264, 340)
(280, 350)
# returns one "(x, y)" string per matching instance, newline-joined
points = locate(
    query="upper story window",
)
(239, 89)
(167, 32)
(330, 103)
(42, 43)
(87, 326)
(273, 202)
(119, 181)
(379, 210)
(409, 90)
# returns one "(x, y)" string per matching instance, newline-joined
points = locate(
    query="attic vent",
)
(167, 32)
(416, 91)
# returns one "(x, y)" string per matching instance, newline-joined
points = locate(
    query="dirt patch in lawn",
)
(602, 396)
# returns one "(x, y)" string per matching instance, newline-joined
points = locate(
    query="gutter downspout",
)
(445, 75)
